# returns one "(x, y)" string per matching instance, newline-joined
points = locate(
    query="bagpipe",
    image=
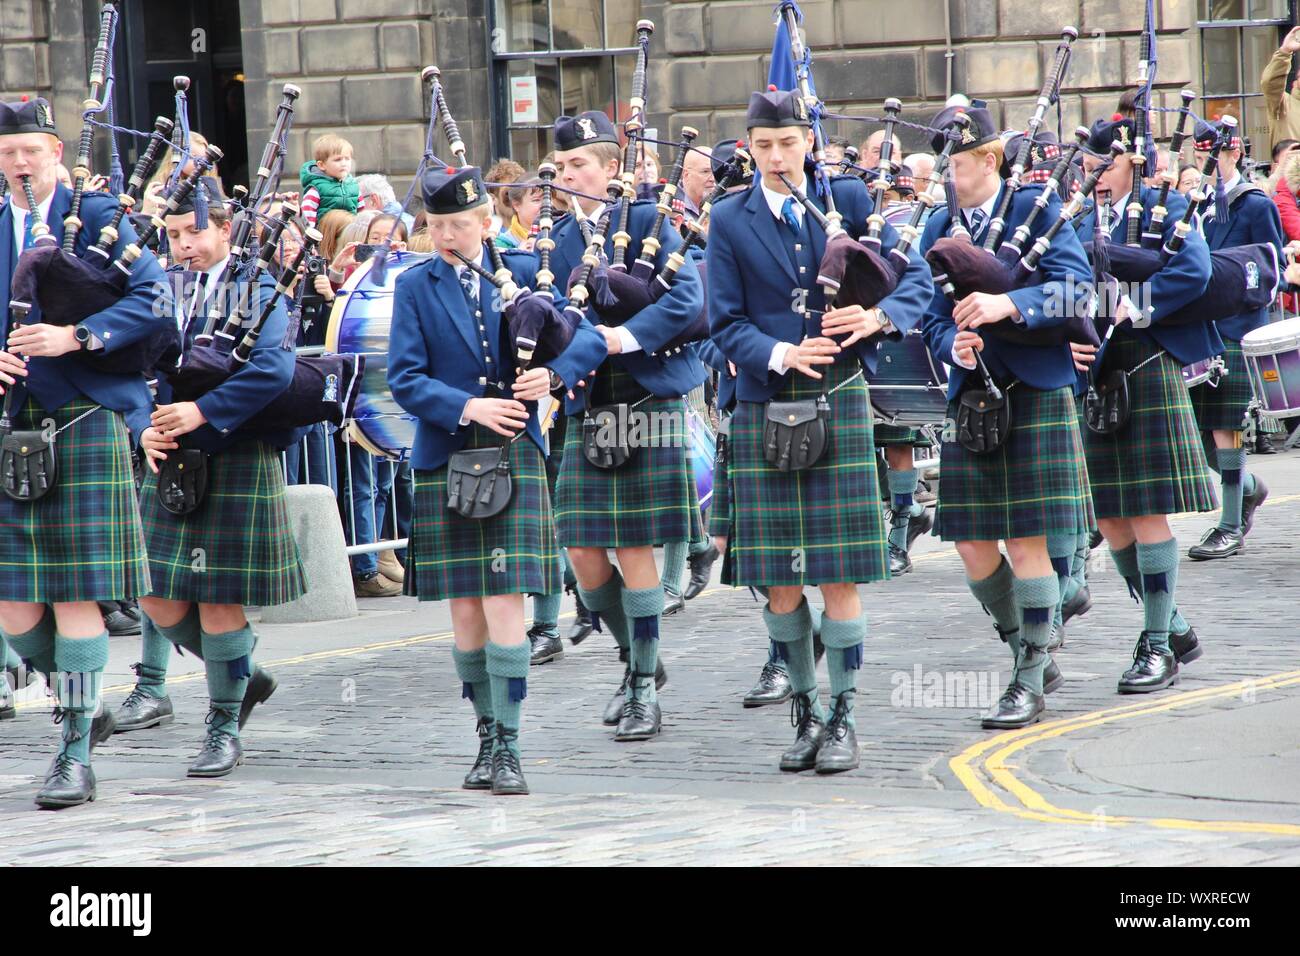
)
(322, 388)
(69, 288)
(1243, 278)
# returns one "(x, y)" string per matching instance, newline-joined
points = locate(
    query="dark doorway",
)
(195, 38)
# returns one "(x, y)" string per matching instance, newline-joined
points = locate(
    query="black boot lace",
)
(837, 728)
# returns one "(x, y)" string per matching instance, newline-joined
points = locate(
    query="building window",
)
(1238, 37)
(556, 57)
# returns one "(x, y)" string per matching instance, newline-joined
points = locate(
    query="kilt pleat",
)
(83, 540)
(1155, 465)
(1224, 406)
(818, 526)
(513, 552)
(720, 507)
(238, 546)
(1035, 484)
(651, 500)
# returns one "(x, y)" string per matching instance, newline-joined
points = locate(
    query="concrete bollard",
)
(314, 517)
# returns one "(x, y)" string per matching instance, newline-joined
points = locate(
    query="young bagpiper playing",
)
(81, 542)
(1241, 214)
(649, 498)
(1153, 466)
(452, 365)
(802, 523)
(236, 548)
(1031, 483)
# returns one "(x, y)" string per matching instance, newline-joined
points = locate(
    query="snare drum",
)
(1272, 356)
(704, 447)
(1206, 370)
(360, 322)
(909, 387)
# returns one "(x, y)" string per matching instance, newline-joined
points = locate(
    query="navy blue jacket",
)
(436, 360)
(1065, 276)
(1181, 281)
(752, 280)
(147, 303)
(655, 325)
(1253, 218)
(230, 407)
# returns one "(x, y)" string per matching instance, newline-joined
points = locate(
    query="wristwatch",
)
(81, 334)
(556, 381)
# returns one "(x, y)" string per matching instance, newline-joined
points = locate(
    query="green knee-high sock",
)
(1232, 466)
(228, 662)
(674, 566)
(1126, 562)
(792, 634)
(155, 653)
(80, 663)
(1060, 548)
(36, 647)
(507, 669)
(546, 609)
(606, 604)
(1158, 564)
(644, 608)
(902, 487)
(186, 633)
(1177, 623)
(843, 640)
(997, 593)
(471, 668)
(1036, 597)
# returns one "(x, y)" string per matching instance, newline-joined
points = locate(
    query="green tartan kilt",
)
(82, 541)
(1035, 484)
(1156, 464)
(237, 547)
(720, 505)
(818, 526)
(887, 435)
(1224, 407)
(513, 552)
(651, 500)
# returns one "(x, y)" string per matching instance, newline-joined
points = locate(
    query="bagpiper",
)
(815, 521)
(452, 365)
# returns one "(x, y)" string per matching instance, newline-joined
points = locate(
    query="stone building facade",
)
(358, 62)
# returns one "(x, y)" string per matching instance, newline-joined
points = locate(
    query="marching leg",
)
(641, 717)
(606, 604)
(471, 668)
(674, 570)
(1154, 666)
(80, 662)
(1076, 601)
(792, 634)
(839, 745)
(148, 704)
(907, 518)
(228, 662)
(507, 667)
(544, 635)
(997, 594)
(1060, 549)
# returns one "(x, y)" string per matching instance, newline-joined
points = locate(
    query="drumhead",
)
(1273, 338)
(361, 321)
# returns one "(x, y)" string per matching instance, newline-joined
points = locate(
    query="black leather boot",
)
(1017, 707)
(1185, 646)
(261, 685)
(1077, 606)
(773, 686)
(1152, 670)
(140, 710)
(546, 644)
(641, 719)
(701, 566)
(68, 782)
(1052, 676)
(1218, 543)
(1250, 504)
(808, 731)
(839, 747)
(581, 626)
(480, 775)
(221, 752)
(507, 774)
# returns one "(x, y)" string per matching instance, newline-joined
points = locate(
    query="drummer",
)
(1155, 465)
(452, 366)
(1240, 214)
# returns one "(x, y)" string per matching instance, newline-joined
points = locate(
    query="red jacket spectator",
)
(1284, 196)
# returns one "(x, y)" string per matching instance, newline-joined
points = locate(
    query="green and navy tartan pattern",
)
(82, 541)
(1035, 484)
(651, 500)
(1224, 406)
(818, 526)
(720, 506)
(900, 435)
(513, 552)
(1156, 464)
(237, 547)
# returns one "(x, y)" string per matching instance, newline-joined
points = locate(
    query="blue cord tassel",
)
(518, 689)
(1037, 615)
(466, 690)
(240, 667)
(1154, 583)
(1061, 566)
(645, 628)
(853, 657)
(1133, 591)
(1232, 476)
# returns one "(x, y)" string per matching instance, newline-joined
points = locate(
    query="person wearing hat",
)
(646, 497)
(453, 366)
(236, 547)
(81, 542)
(198, 254)
(812, 523)
(1033, 484)
(1155, 465)
(1240, 214)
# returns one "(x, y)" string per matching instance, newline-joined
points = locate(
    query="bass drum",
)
(360, 322)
